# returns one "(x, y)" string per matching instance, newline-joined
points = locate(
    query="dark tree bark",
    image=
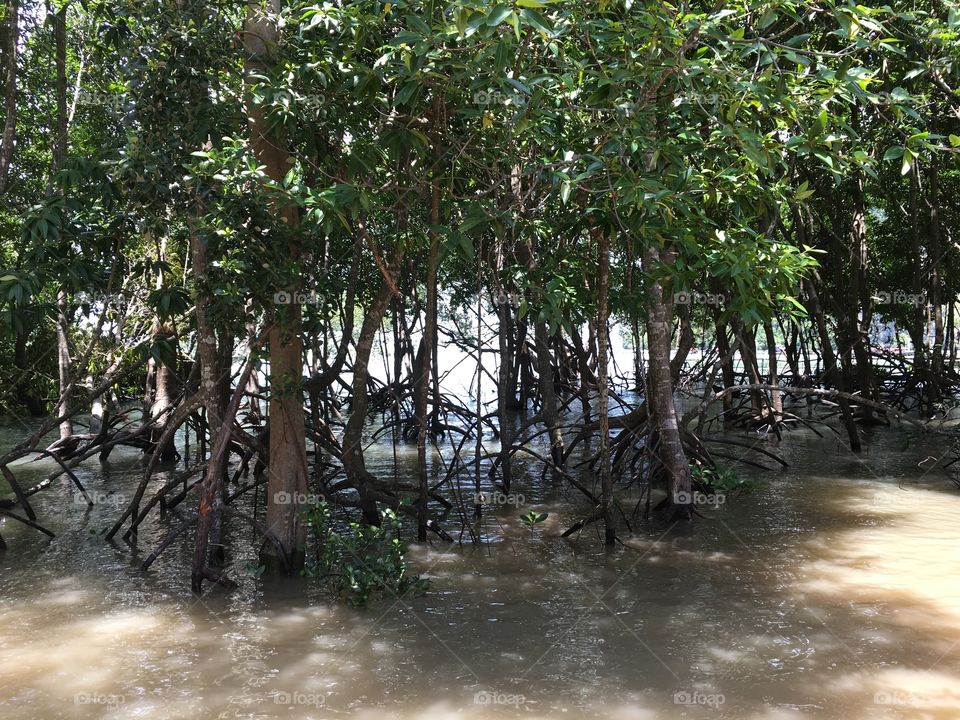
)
(60, 61)
(548, 393)
(8, 138)
(660, 388)
(164, 393)
(606, 479)
(832, 374)
(427, 368)
(505, 387)
(287, 483)
(353, 463)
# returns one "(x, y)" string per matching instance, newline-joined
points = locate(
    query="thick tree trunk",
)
(206, 336)
(746, 340)
(353, 462)
(287, 484)
(164, 394)
(211, 502)
(505, 385)
(8, 137)
(857, 309)
(210, 513)
(660, 389)
(60, 62)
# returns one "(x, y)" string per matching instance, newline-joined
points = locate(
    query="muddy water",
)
(833, 591)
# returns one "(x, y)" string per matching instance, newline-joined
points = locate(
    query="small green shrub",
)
(722, 481)
(362, 563)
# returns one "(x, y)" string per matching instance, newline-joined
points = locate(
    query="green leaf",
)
(536, 20)
(514, 20)
(803, 192)
(893, 153)
(908, 157)
(497, 14)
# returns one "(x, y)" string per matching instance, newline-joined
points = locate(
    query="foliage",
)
(533, 518)
(722, 481)
(361, 562)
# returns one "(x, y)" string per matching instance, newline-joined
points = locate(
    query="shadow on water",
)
(829, 592)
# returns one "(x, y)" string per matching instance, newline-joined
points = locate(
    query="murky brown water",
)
(831, 592)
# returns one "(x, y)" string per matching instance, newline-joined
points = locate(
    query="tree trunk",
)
(10, 91)
(548, 393)
(776, 397)
(917, 327)
(287, 484)
(660, 389)
(60, 61)
(211, 502)
(164, 393)
(505, 385)
(606, 478)
(684, 344)
(63, 364)
(832, 374)
(353, 463)
(934, 253)
(427, 368)
(746, 340)
(726, 362)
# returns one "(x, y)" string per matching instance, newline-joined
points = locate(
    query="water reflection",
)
(829, 593)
